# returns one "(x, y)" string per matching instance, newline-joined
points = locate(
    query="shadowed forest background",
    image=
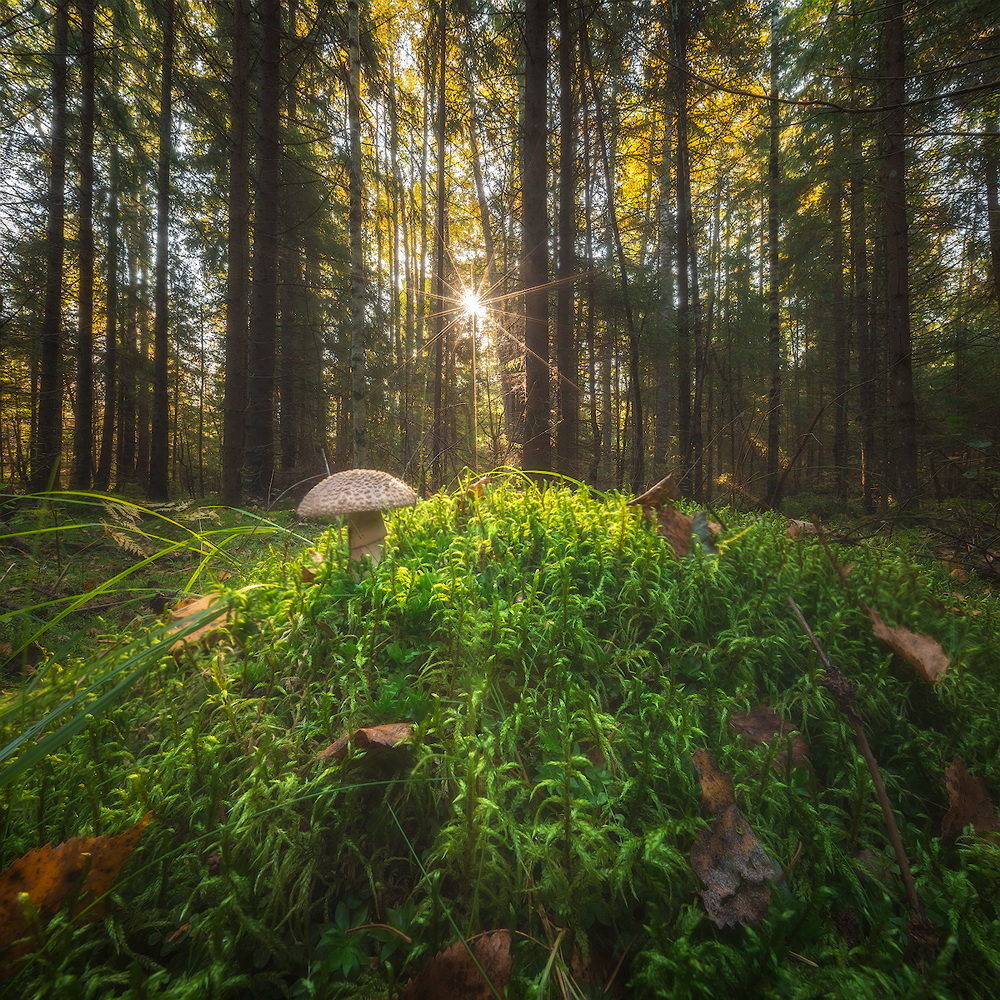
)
(243, 244)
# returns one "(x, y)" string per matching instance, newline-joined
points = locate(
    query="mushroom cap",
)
(353, 491)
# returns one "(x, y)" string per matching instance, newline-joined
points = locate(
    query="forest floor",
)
(549, 746)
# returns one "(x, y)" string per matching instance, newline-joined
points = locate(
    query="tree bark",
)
(896, 256)
(774, 276)
(83, 410)
(238, 258)
(991, 163)
(359, 281)
(566, 351)
(537, 450)
(47, 443)
(102, 479)
(262, 339)
(159, 438)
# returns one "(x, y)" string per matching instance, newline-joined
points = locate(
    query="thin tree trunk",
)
(261, 343)
(991, 164)
(439, 437)
(897, 288)
(566, 352)
(537, 451)
(841, 326)
(774, 277)
(159, 440)
(359, 280)
(103, 478)
(47, 440)
(666, 312)
(238, 258)
(83, 411)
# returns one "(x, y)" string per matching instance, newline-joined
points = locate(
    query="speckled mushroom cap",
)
(353, 491)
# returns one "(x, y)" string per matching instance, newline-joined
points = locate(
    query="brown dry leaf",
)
(82, 868)
(679, 529)
(923, 652)
(665, 489)
(374, 738)
(310, 569)
(209, 633)
(452, 975)
(762, 724)
(970, 803)
(727, 857)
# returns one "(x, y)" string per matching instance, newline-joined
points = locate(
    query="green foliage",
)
(560, 668)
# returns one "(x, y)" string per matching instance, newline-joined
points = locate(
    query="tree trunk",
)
(896, 256)
(566, 352)
(262, 340)
(359, 290)
(439, 330)
(238, 258)
(537, 451)
(83, 410)
(159, 440)
(47, 443)
(774, 276)
(102, 480)
(991, 164)
(679, 40)
(841, 326)
(666, 311)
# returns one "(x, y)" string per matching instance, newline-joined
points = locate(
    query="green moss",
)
(560, 668)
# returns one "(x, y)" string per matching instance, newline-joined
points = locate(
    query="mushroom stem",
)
(365, 534)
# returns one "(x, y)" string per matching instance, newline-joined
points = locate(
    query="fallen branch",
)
(920, 931)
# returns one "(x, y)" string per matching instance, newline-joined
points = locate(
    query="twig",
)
(919, 929)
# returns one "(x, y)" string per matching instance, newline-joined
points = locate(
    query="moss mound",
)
(562, 673)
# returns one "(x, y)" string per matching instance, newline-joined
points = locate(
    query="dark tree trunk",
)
(439, 327)
(238, 258)
(103, 478)
(991, 164)
(159, 439)
(679, 40)
(841, 325)
(896, 256)
(566, 351)
(83, 410)
(262, 341)
(774, 277)
(47, 441)
(537, 450)
(359, 283)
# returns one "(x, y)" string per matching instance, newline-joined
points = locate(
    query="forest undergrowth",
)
(531, 728)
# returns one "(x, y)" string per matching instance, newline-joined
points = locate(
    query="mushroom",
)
(361, 495)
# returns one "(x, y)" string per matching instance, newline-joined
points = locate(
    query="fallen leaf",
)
(679, 529)
(665, 489)
(374, 738)
(452, 974)
(971, 804)
(727, 857)
(762, 724)
(82, 869)
(311, 567)
(205, 635)
(922, 652)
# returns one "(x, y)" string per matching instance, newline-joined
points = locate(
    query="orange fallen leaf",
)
(971, 804)
(727, 857)
(452, 974)
(923, 652)
(205, 635)
(81, 869)
(762, 724)
(373, 738)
